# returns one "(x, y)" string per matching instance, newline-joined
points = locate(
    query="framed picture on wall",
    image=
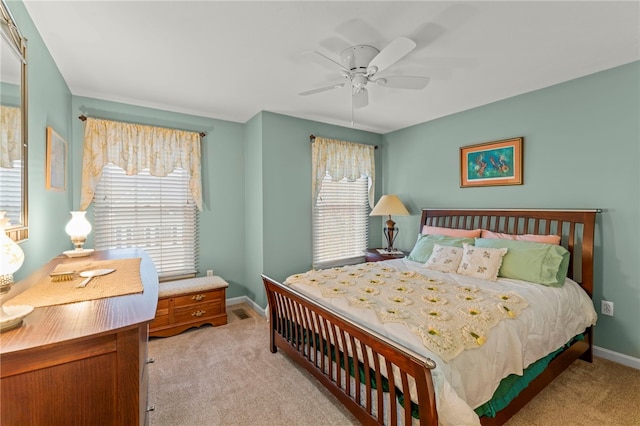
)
(56, 168)
(491, 163)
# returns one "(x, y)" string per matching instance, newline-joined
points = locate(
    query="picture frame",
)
(56, 165)
(492, 163)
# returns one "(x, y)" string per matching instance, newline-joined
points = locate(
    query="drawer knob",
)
(198, 297)
(198, 313)
(151, 408)
(151, 360)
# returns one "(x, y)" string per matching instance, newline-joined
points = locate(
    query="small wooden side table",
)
(372, 255)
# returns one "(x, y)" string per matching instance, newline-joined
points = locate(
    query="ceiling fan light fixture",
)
(359, 80)
(360, 97)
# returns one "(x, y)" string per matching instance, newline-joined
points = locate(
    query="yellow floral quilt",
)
(447, 316)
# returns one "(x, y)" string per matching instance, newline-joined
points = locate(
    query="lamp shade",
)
(11, 258)
(78, 226)
(389, 205)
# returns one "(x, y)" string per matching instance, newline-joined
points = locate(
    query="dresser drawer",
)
(199, 298)
(198, 312)
(159, 321)
(163, 306)
(162, 314)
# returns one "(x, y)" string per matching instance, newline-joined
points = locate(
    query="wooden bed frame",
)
(297, 321)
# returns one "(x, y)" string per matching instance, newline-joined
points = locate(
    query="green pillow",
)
(563, 270)
(540, 263)
(424, 246)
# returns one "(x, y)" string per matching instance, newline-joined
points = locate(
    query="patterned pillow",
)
(424, 246)
(444, 258)
(481, 262)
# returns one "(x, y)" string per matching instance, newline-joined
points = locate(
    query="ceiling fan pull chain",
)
(352, 122)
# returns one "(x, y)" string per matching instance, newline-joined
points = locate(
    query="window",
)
(153, 213)
(341, 222)
(11, 191)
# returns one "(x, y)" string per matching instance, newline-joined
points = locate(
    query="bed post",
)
(587, 270)
(271, 306)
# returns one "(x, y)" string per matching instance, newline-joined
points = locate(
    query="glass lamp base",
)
(78, 252)
(11, 316)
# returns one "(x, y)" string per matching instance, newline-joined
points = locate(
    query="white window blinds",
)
(153, 213)
(11, 191)
(341, 222)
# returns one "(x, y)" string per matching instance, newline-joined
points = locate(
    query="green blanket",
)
(509, 388)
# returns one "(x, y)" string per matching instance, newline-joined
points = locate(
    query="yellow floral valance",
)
(342, 160)
(135, 147)
(10, 136)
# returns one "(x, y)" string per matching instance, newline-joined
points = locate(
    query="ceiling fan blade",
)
(323, 60)
(391, 54)
(360, 98)
(338, 85)
(404, 82)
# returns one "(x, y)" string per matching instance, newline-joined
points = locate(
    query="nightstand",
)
(372, 255)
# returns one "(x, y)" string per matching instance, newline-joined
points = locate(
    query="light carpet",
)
(226, 375)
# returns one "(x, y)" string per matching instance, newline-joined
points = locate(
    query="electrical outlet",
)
(209, 272)
(607, 308)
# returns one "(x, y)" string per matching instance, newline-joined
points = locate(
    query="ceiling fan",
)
(360, 65)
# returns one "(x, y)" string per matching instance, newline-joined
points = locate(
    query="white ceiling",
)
(230, 60)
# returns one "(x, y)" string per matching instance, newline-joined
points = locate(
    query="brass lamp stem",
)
(390, 232)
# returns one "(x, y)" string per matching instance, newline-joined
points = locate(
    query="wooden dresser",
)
(81, 363)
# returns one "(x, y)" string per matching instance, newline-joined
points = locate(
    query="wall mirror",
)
(13, 125)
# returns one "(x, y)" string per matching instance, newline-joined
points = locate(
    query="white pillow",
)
(481, 262)
(444, 258)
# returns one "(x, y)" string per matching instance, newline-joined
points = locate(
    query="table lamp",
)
(78, 228)
(11, 258)
(386, 206)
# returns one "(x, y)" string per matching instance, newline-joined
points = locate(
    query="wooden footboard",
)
(351, 362)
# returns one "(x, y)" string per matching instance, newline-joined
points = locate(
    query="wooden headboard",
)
(575, 227)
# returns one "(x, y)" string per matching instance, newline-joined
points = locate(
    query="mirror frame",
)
(11, 33)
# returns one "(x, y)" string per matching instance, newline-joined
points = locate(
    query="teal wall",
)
(245, 222)
(285, 192)
(254, 194)
(221, 223)
(581, 150)
(9, 94)
(49, 104)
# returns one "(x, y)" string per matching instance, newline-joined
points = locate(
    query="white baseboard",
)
(623, 359)
(245, 299)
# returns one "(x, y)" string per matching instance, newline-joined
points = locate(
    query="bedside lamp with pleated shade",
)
(389, 205)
